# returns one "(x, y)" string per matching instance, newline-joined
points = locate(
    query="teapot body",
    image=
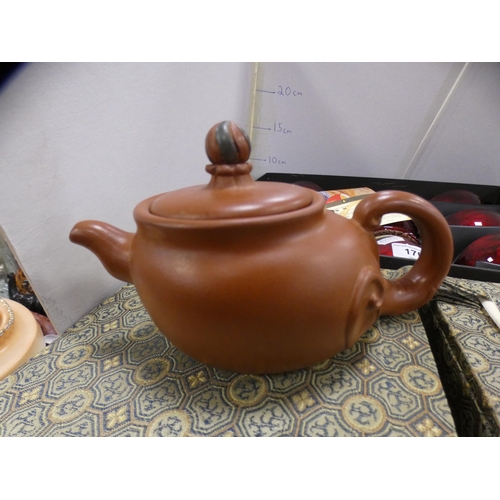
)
(257, 297)
(259, 277)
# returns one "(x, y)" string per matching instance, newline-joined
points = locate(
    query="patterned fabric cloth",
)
(115, 374)
(466, 343)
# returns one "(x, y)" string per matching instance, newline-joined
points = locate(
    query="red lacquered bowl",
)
(484, 249)
(405, 228)
(478, 217)
(458, 196)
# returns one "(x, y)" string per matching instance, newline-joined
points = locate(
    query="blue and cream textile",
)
(114, 374)
(466, 343)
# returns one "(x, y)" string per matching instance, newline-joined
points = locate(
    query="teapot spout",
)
(110, 244)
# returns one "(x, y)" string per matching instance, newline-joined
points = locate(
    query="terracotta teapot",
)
(258, 277)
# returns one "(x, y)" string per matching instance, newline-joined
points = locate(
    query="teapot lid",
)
(231, 192)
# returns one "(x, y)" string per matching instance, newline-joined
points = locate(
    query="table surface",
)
(466, 342)
(115, 374)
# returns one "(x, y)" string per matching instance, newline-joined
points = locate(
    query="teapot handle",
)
(421, 282)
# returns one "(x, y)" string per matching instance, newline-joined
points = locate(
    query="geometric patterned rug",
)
(114, 374)
(466, 342)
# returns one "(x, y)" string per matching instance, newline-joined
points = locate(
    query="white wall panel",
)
(89, 141)
(464, 145)
(81, 141)
(363, 119)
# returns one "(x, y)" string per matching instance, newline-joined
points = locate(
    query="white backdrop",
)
(89, 141)
(427, 121)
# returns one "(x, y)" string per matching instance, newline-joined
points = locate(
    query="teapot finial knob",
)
(227, 144)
